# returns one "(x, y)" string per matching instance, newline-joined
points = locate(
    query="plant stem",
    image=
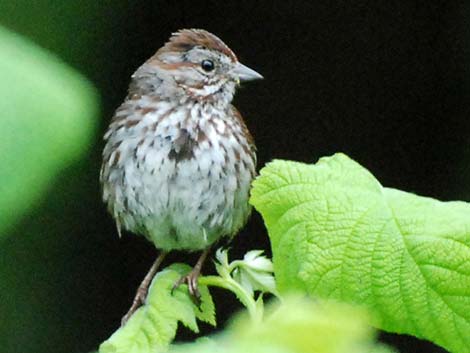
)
(230, 284)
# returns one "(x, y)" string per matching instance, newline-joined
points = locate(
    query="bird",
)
(178, 159)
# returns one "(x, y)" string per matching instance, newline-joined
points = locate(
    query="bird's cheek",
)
(232, 84)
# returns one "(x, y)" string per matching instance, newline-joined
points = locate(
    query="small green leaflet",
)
(337, 233)
(153, 326)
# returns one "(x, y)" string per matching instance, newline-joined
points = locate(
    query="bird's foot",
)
(138, 301)
(141, 294)
(191, 279)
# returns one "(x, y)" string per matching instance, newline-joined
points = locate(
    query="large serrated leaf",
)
(153, 326)
(337, 233)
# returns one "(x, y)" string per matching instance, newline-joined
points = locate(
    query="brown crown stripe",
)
(185, 39)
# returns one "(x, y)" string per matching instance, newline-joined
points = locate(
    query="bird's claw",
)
(191, 279)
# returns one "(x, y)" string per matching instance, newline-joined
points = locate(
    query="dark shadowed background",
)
(387, 82)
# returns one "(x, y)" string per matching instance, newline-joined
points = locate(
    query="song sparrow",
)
(179, 160)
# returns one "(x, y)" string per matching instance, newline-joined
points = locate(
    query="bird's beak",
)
(244, 73)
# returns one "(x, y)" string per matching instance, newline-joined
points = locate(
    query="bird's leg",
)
(192, 277)
(141, 293)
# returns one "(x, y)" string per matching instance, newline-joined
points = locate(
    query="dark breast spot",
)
(201, 136)
(131, 123)
(182, 147)
(117, 156)
(147, 110)
(237, 154)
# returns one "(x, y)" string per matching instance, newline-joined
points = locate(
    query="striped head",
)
(193, 64)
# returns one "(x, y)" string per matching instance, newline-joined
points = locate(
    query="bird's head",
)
(195, 64)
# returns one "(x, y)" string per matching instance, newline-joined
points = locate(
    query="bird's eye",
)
(207, 65)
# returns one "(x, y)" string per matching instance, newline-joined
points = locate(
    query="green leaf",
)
(47, 118)
(337, 233)
(153, 326)
(297, 325)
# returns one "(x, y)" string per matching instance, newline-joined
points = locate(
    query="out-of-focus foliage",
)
(47, 116)
(337, 233)
(295, 326)
(49, 283)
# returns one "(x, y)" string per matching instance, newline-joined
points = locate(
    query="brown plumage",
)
(179, 159)
(186, 39)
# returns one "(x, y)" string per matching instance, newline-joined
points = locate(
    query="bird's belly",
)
(187, 203)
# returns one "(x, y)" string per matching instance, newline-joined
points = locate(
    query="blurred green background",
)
(386, 82)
